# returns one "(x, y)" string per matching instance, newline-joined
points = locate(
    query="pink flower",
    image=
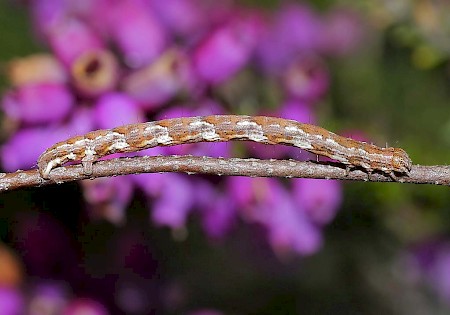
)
(48, 14)
(319, 198)
(95, 72)
(295, 29)
(342, 32)
(174, 203)
(50, 297)
(155, 84)
(116, 109)
(226, 50)
(266, 201)
(11, 301)
(108, 197)
(84, 306)
(217, 210)
(38, 103)
(22, 150)
(137, 32)
(306, 79)
(81, 38)
(182, 17)
(37, 68)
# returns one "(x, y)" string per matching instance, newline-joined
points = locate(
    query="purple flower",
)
(342, 32)
(11, 301)
(267, 202)
(116, 109)
(295, 29)
(48, 298)
(48, 14)
(299, 26)
(38, 103)
(95, 72)
(182, 17)
(174, 203)
(319, 198)
(153, 183)
(226, 50)
(297, 110)
(155, 84)
(432, 261)
(37, 68)
(86, 306)
(306, 79)
(218, 211)
(137, 32)
(22, 150)
(81, 38)
(108, 197)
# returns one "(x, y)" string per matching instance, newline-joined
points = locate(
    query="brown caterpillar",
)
(263, 129)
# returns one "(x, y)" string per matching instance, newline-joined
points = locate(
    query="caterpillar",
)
(268, 130)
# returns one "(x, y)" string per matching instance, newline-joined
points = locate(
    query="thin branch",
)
(436, 175)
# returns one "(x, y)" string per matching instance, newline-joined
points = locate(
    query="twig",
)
(436, 175)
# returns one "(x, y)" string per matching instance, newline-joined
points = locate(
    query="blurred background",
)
(374, 70)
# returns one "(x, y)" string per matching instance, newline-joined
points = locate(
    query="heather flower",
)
(47, 298)
(95, 73)
(306, 78)
(181, 17)
(107, 198)
(226, 50)
(294, 29)
(22, 149)
(47, 15)
(342, 32)
(265, 201)
(299, 26)
(218, 211)
(218, 217)
(432, 262)
(84, 306)
(320, 199)
(168, 210)
(37, 68)
(152, 184)
(11, 301)
(81, 38)
(94, 13)
(137, 32)
(155, 84)
(116, 109)
(38, 103)
(290, 230)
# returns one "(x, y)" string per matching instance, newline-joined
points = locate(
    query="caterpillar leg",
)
(87, 162)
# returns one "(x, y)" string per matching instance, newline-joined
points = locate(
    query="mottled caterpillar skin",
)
(263, 129)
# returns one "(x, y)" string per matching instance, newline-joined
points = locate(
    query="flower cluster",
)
(118, 62)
